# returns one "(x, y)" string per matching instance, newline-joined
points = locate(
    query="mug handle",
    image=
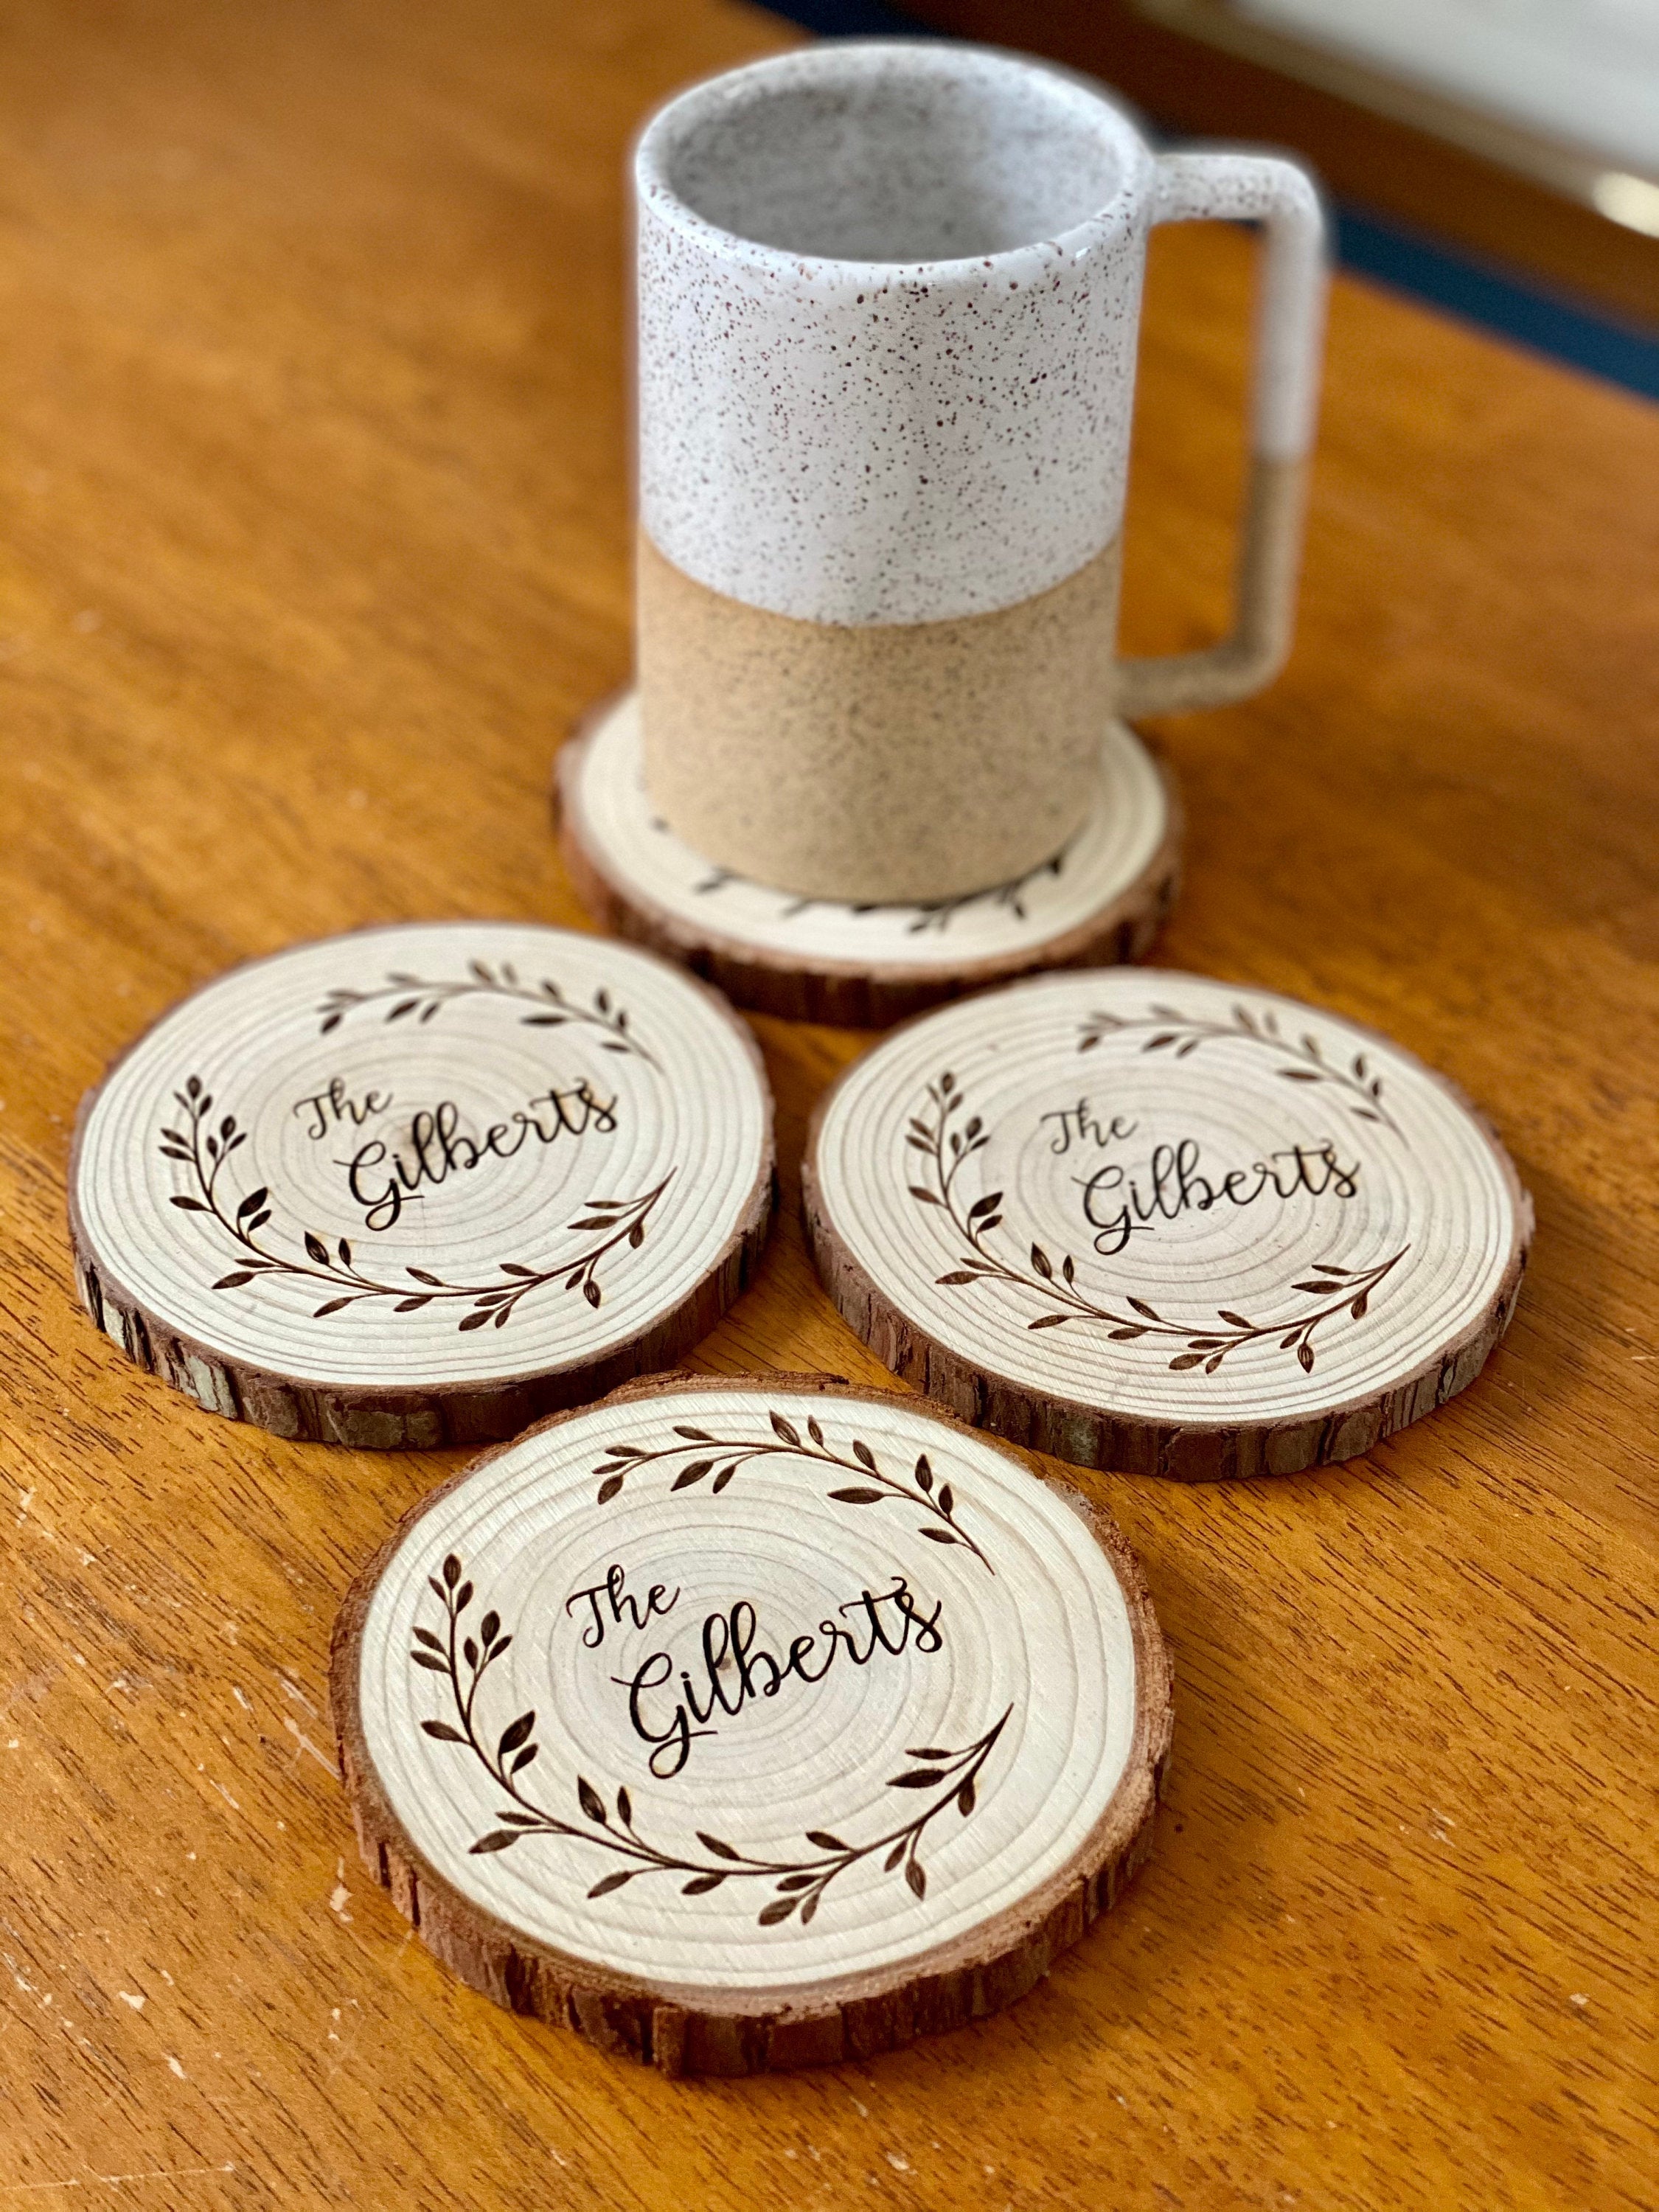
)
(1290, 326)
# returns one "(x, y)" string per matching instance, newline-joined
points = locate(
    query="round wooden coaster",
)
(420, 1185)
(755, 1722)
(1103, 898)
(1153, 1221)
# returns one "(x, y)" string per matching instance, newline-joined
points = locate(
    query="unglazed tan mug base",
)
(892, 761)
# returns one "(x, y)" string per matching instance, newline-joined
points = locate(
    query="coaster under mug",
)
(423, 1184)
(1104, 897)
(1154, 1222)
(749, 1722)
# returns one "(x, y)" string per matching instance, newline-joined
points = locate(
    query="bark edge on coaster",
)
(943, 1729)
(423, 1183)
(1153, 1221)
(1103, 898)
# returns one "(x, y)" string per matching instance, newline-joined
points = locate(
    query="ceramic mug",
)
(888, 296)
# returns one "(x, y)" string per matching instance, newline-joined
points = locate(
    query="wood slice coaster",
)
(421, 1185)
(1153, 1221)
(1103, 898)
(755, 1722)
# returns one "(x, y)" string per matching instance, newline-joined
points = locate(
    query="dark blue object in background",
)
(1499, 299)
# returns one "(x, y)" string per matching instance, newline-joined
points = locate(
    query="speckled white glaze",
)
(888, 301)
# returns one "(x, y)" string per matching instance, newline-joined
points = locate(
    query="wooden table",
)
(316, 541)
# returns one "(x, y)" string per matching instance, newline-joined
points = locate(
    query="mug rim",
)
(665, 127)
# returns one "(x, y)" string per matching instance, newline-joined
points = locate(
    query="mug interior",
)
(898, 153)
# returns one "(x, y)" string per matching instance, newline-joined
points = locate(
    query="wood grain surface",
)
(979, 1195)
(331, 1117)
(1102, 899)
(316, 537)
(1064, 1807)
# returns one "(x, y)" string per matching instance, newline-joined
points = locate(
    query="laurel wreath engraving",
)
(423, 1001)
(464, 1660)
(928, 917)
(205, 1147)
(946, 1151)
(723, 1456)
(1180, 1035)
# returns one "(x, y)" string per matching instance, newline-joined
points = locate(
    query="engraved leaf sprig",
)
(464, 1656)
(414, 1000)
(1181, 1034)
(945, 1149)
(718, 1459)
(929, 917)
(204, 1146)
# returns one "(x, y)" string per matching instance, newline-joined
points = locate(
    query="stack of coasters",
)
(1103, 898)
(750, 1723)
(423, 1184)
(1152, 1222)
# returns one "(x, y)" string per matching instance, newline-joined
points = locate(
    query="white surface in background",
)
(1583, 71)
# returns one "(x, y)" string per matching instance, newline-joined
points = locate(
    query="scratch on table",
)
(294, 1691)
(168, 2173)
(306, 1744)
(116, 2180)
(347, 2043)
